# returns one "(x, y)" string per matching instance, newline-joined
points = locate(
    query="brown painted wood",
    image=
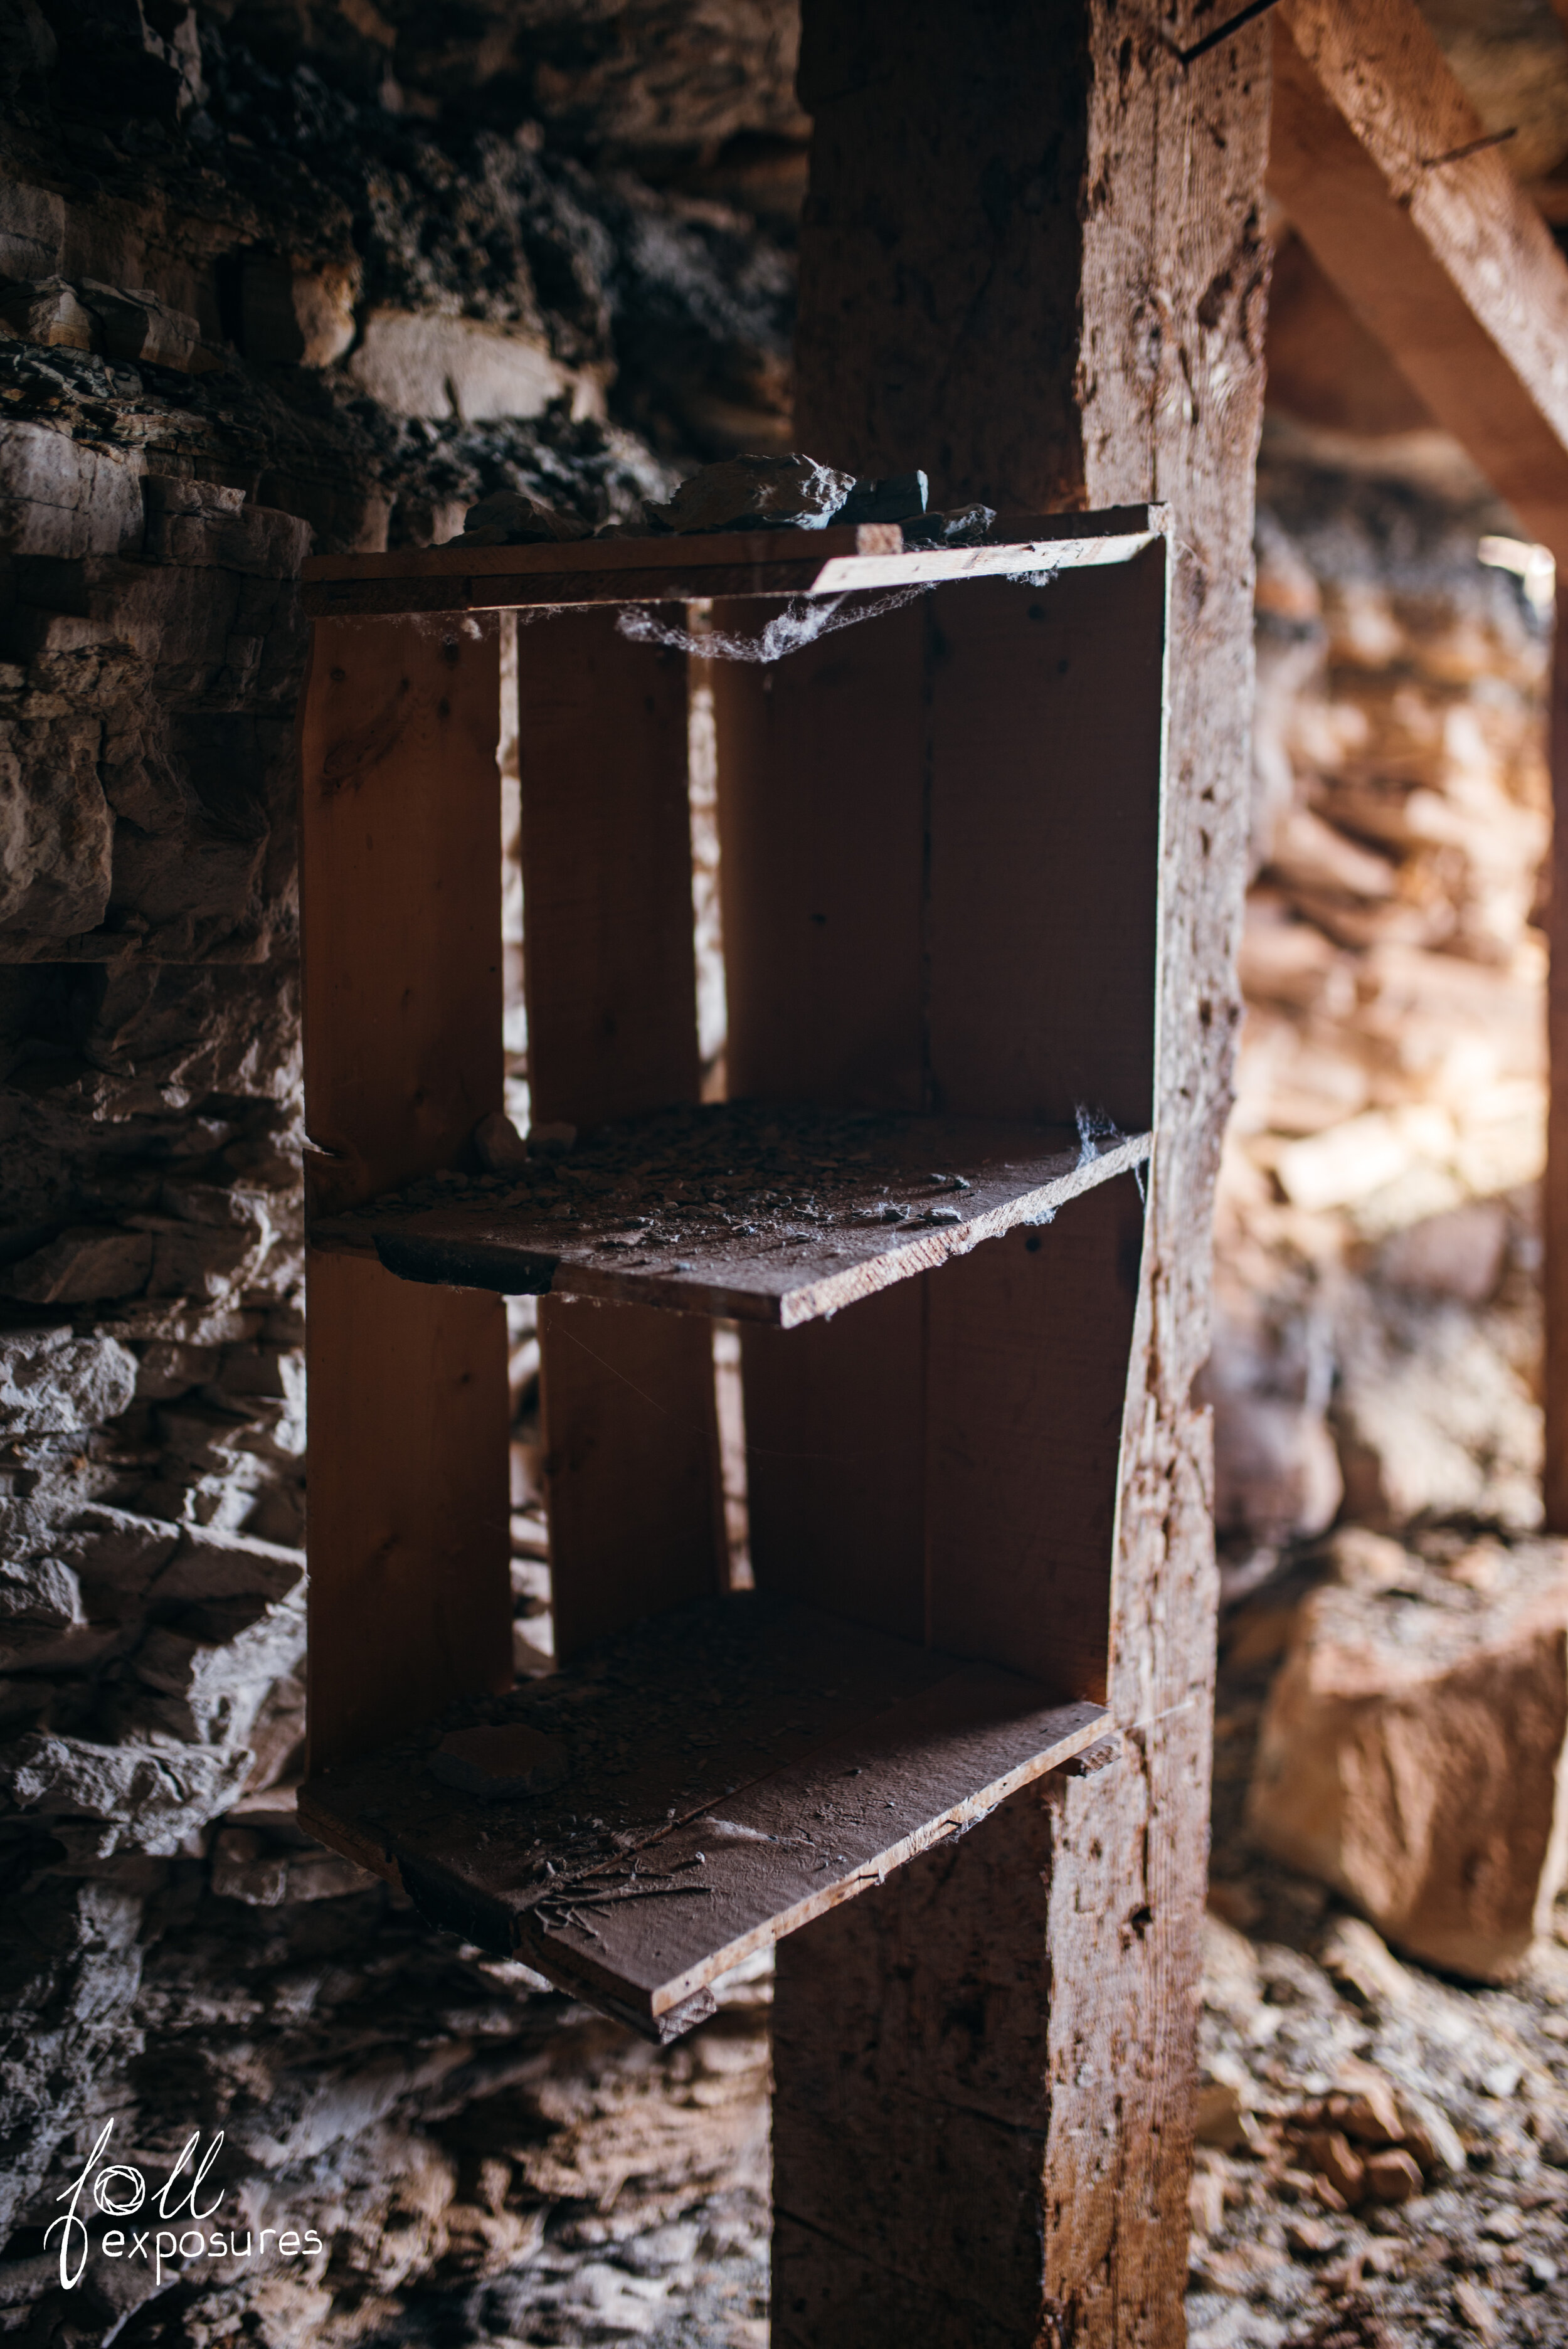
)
(822, 781)
(611, 978)
(839, 1240)
(411, 1597)
(747, 1765)
(1048, 724)
(835, 1423)
(1027, 1349)
(1554, 1191)
(1047, 733)
(1034, 262)
(1447, 261)
(400, 876)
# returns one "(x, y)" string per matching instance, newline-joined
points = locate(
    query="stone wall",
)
(1378, 1342)
(275, 280)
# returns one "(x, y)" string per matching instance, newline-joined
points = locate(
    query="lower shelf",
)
(689, 1792)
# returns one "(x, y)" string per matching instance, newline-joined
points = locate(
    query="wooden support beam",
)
(1380, 161)
(1033, 263)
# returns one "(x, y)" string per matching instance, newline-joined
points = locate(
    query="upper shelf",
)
(742, 1209)
(689, 1792)
(688, 568)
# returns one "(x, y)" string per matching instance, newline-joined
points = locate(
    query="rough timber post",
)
(1034, 262)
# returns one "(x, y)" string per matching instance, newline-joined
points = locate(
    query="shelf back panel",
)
(630, 1426)
(940, 855)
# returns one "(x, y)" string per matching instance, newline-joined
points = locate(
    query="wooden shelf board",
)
(734, 1768)
(740, 1209)
(684, 569)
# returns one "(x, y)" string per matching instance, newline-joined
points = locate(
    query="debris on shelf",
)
(962, 526)
(509, 518)
(898, 497)
(500, 1149)
(789, 492)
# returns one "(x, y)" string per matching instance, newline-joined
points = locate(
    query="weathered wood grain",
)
(865, 1227)
(400, 879)
(611, 978)
(1438, 251)
(731, 1772)
(1034, 262)
(453, 578)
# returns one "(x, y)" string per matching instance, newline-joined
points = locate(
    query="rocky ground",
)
(1326, 2058)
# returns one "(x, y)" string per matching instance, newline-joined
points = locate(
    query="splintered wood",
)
(693, 1790)
(756, 1212)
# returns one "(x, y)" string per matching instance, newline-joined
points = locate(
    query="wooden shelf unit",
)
(940, 830)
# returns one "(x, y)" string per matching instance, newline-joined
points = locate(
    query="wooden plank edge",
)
(1083, 1724)
(835, 575)
(411, 1258)
(725, 548)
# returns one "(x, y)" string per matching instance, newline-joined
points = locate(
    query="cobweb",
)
(803, 619)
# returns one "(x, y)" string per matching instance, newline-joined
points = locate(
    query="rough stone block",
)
(55, 828)
(1412, 1755)
(87, 1262)
(135, 1798)
(59, 497)
(46, 311)
(417, 364)
(136, 325)
(1460, 1254)
(292, 313)
(31, 229)
(52, 1382)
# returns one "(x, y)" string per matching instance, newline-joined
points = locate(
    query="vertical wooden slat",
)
(1554, 1190)
(400, 884)
(821, 780)
(411, 1596)
(630, 1428)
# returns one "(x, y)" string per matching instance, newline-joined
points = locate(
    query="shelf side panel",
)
(410, 1601)
(833, 1425)
(1029, 1341)
(1048, 726)
(821, 760)
(821, 780)
(1047, 720)
(631, 1450)
(609, 957)
(401, 888)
